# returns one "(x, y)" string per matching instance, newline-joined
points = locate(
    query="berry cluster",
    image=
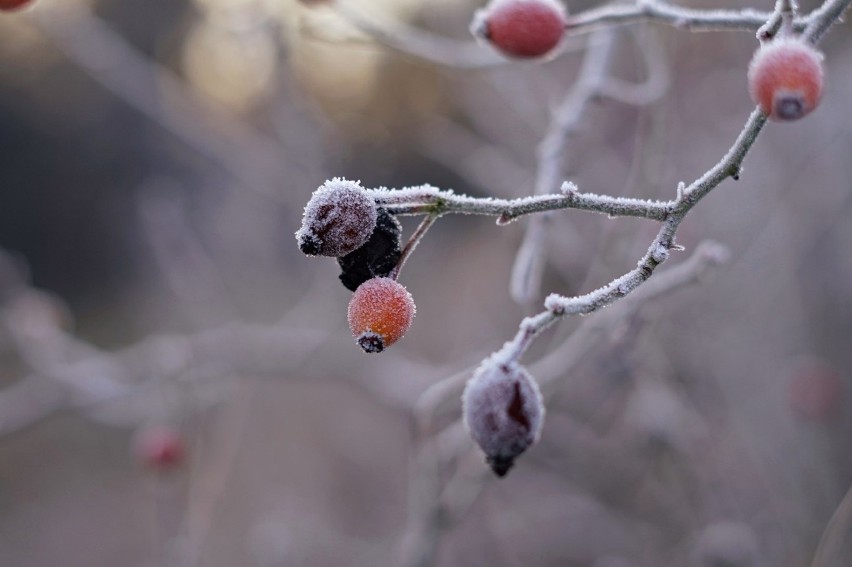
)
(342, 221)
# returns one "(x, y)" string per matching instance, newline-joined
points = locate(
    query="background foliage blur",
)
(155, 159)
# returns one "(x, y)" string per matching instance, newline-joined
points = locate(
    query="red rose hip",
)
(522, 29)
(12, 5)
(785, 78)
(380, 313)
(160, 448)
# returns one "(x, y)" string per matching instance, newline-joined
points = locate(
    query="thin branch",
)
(428, 199)
(690, 19)
(435, 505)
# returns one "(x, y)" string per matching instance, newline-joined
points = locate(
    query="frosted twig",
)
(412, 243)
(435, 506)
(690, 19)
(529, 262)
(427, 199)
(823, 18)
(558, 306)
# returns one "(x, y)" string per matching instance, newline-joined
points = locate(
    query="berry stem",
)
(412, 243)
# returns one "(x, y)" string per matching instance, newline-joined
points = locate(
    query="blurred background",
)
(155, 158)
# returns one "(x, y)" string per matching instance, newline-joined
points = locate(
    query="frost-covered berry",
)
(338, 219)
(380, 313)
(504, 412)
(377, 257)
(521, 28)
(11, 5)
(160, 448)
(785, 78)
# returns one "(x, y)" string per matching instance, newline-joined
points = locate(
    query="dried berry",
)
(785, 78)
(338, 219)
(521, 28)
(377, 257)
(160, 448)
(504, 412)
(380, 313)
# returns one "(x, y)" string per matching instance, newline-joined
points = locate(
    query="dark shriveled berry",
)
(503, 411)
(377, 257)
(339, 218)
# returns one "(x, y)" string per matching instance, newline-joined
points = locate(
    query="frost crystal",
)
(338, 219)
(504, 412)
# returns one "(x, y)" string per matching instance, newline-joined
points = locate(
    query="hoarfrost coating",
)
(338, 219)
(504, 412)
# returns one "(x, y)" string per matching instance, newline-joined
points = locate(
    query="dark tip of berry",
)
(500, 465)
(371, 342)
(309, 245)
(789, 107)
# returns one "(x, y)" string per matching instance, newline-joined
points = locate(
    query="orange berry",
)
(785, 78)
(11, 5)
(521, 28)
(380, 313)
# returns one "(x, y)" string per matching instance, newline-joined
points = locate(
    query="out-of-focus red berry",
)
(160, 448)
(11, 5)
(521, 28)
(380, 313)
(816, 391)
(785, 78)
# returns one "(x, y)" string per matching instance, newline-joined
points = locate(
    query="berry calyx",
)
(523, 29)
(503, 411)
(785, 78)
(160, 448)
(339, 218)
(380, 313)
(12, 5)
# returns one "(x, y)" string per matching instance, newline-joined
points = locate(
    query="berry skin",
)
(339, 218)
(380, 313)
(785, 78)
(160, 448)
(377, 257)
(12, 5)
(503, 411)
(523, 29)
(816, 391)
